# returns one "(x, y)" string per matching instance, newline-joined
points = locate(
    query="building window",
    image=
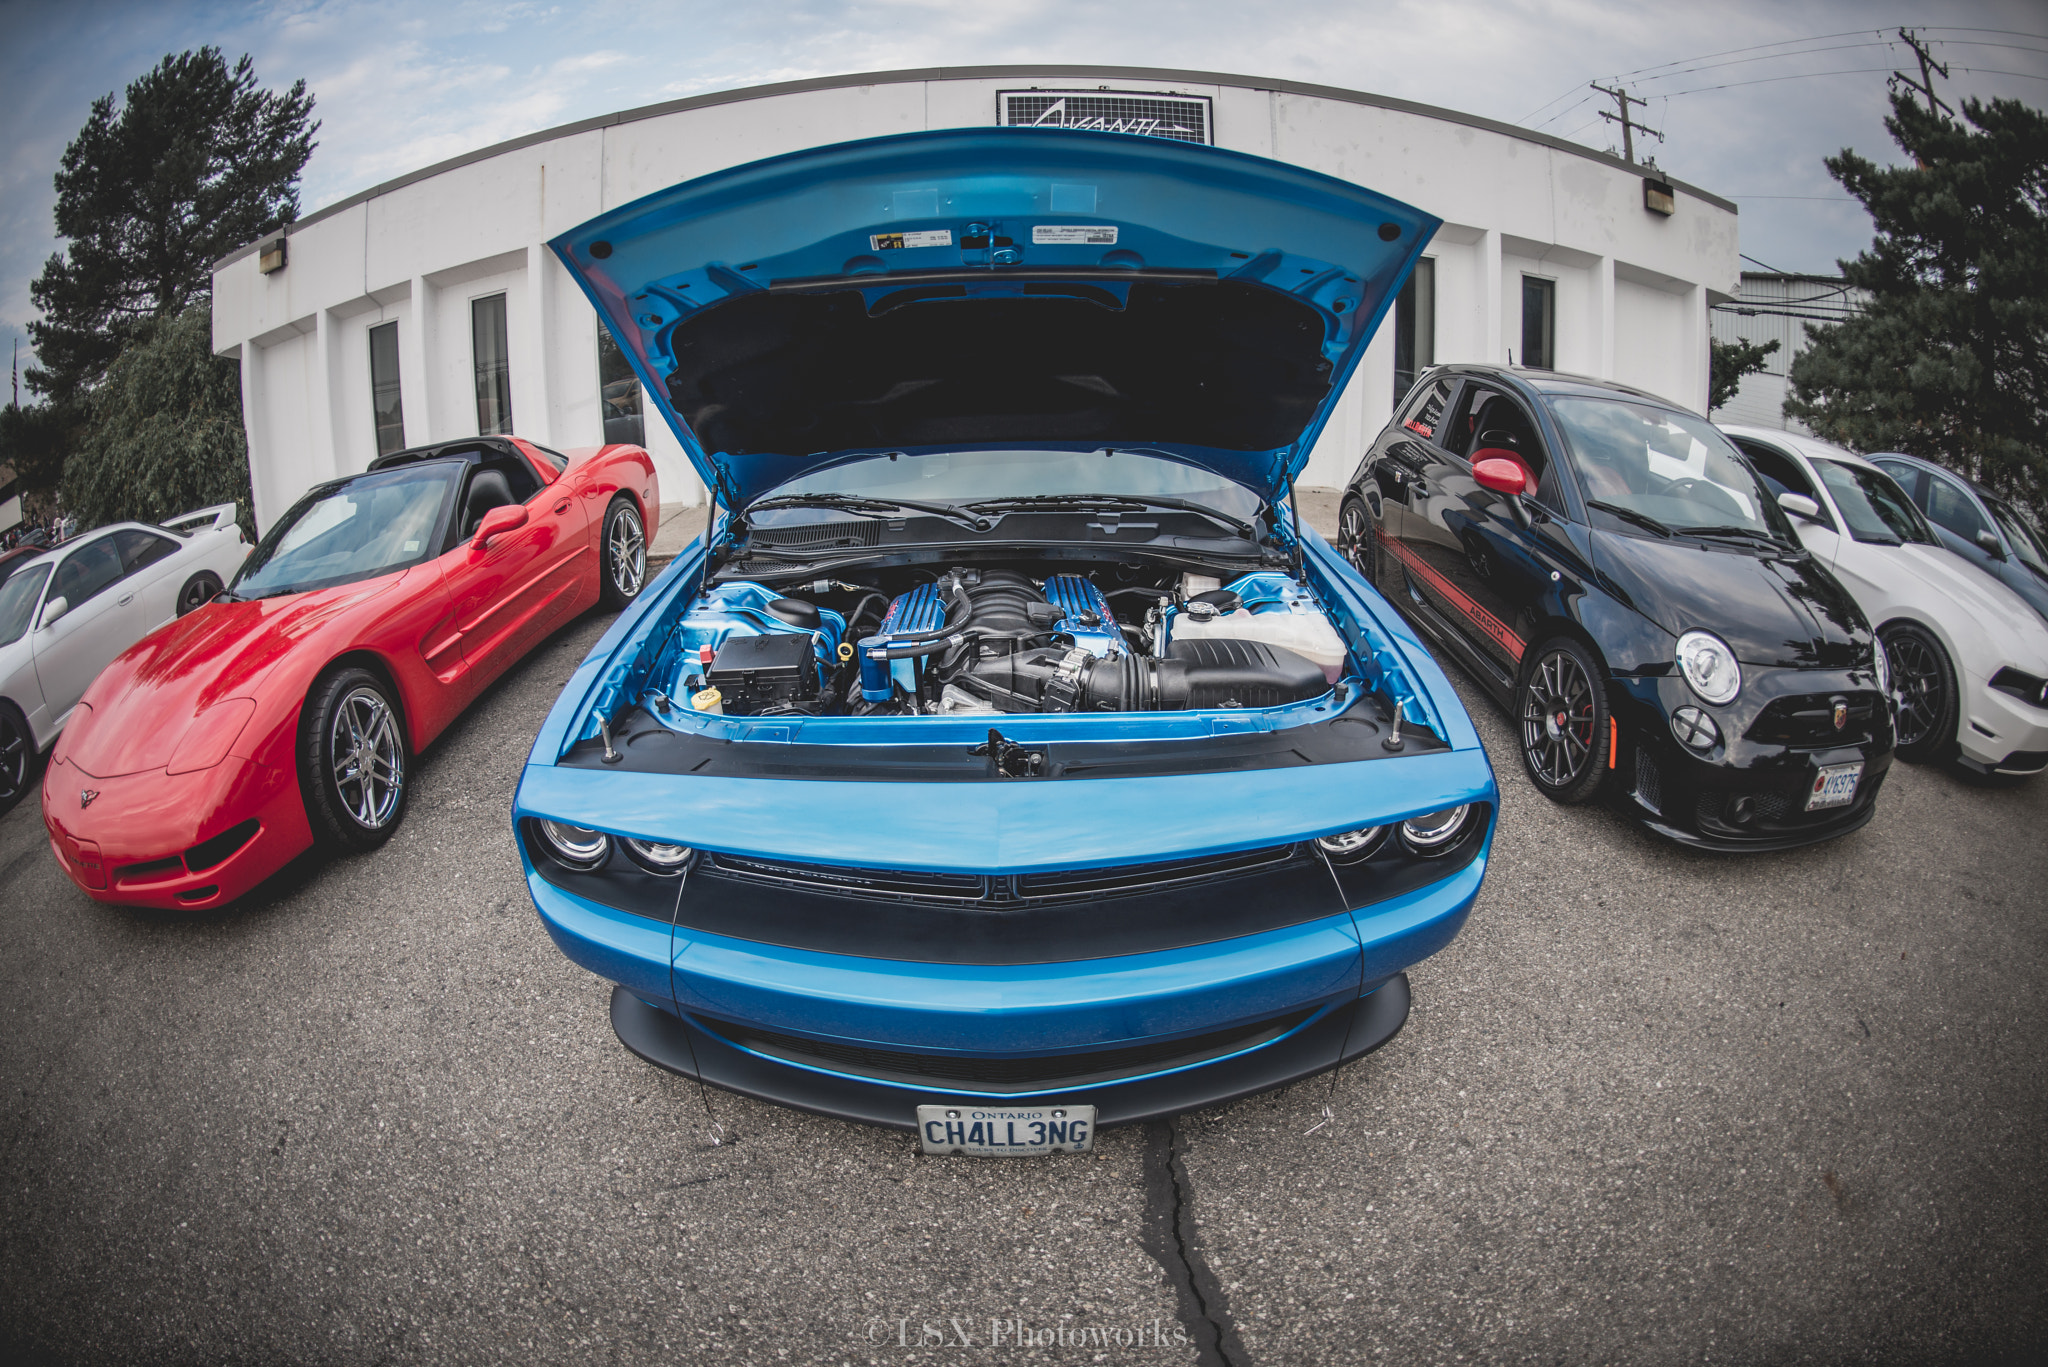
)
(1414, 327)
(1539, 323)
(493, 366)
(384, 400)
(618, 392)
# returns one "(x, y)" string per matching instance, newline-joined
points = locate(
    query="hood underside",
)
(1008, 285)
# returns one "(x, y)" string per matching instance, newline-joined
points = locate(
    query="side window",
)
(1425, 414)
(140, 549)
(491, 484)
(87, 571)
(1948, 506)
(1490, 420)
(1782, 475)
(1913, 481)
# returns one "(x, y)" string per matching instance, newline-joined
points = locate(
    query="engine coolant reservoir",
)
(1274, 609)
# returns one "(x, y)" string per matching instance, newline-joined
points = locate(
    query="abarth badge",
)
(1841, 715)
(86, 795)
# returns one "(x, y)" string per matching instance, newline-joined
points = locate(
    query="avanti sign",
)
(1183, 118)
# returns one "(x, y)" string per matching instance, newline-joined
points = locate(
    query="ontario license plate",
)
(1006, 1131)
(1834, 785)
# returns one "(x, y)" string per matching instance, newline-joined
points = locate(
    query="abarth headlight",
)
(1353, 844)
(577, 846)
(1435, 832)
(656, 856)
(1709, 665)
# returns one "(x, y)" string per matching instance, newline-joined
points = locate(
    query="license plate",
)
(1006, 1131)
(1834, 785)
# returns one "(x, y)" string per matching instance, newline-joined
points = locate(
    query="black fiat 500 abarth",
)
(1611, 569)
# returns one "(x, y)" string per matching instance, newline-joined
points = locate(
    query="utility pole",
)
(1629, 127)
(1928, 66)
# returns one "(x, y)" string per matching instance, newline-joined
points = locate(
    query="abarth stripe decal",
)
(1503, 635)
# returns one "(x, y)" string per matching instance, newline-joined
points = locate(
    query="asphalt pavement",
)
(1651, 1106)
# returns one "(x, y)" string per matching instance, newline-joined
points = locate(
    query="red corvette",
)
(285, 713)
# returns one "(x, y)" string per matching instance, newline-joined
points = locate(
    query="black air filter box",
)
(1228, 673)
(754, 671)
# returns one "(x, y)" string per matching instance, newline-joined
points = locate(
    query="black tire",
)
(21, 763)
(1354, 538)
(352, 760)
(199, 590)
(1924, 684)
(621, 554)
(1561, 710)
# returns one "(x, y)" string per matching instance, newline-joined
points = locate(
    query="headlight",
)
(1353, 844)
(1695, 729)
(577, 846)
(1435, 832)
(1709, 666)
(1881, 666)
(656, 857)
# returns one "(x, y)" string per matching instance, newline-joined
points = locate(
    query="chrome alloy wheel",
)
(14, 756)
(628, 547)
(367, 758)
(1918, 684)
(1354, 531)
(1558, 715)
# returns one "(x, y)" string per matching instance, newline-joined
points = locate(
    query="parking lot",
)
(1651, 1106)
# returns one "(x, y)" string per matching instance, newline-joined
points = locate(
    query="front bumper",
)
(1999, 734)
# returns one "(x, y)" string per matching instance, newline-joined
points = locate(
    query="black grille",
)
(207, 853)
(1807, 720)
(1766, 812)
(1040, 1071)
(1136, 877)
(923, 886)
(894, 883)
(820, 534)
(1649, 784)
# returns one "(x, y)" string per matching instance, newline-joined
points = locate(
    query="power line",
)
(1623, 100)
(1928, 66)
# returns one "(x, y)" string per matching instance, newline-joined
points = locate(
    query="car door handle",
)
(563, 506)
(125, 600)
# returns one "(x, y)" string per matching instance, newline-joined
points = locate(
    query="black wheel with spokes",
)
(1354, 537)
(622, 558)
(201, 589)
(19, 758)
(1562, 710)
(352, 760)
(1924, 684)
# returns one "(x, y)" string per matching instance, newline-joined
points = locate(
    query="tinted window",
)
(371, 525)
(139, 549)
(1415, 325)
(18, 601)
(1671, 467)
(1876, 509)
(552, 457)
(1539, 323)
(1948, 506)
(1426, 413)
(88, 571)
(1781, 475)
(492, 353)
(2024, 540)
(386, 405)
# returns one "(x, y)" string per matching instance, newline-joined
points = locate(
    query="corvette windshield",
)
(18, 602)
(956, 477)
(370, 526)
(1650, 467)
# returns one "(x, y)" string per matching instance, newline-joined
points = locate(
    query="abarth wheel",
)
(199, 590)
(622, 570)
(19, 758)
(352, 760)
(1562, 708)
(1354, 536)
(1924, 684)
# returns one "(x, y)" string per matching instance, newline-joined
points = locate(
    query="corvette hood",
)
(997, 285)
(143, 703)
(1776, 610)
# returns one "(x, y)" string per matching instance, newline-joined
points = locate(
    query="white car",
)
(66, 613)
(1968, 656)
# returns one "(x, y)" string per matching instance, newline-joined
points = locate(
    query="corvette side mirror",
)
(54, 609)
(498, 521)
(1988, 543)
(1801, 507)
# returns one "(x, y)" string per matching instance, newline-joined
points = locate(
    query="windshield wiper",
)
(1109, 502)
(1643, 520)
(871, 507)
(1746, 533)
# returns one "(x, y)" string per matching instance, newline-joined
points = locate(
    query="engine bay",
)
(1009, 638)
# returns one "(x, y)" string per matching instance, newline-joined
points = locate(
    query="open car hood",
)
(997, 285)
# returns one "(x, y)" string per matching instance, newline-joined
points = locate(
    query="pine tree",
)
(1950, 359)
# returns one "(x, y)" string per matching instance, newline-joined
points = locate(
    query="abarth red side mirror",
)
(1501, 471)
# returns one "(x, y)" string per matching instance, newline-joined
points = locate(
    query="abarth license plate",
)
(1834, 785)
(1006, 1131)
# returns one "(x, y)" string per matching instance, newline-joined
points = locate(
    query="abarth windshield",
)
(372, 525)
(1876, 509)
(1651, 469)
(18, 602)
(968, 477)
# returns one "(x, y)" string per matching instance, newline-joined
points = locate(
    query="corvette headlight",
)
(1353, 844)
(1434, 832)
(655, 856)
(1709, 666)
(577, 846)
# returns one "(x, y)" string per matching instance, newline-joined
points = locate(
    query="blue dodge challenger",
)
(1006, 761)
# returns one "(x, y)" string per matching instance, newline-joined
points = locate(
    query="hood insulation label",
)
(1075, 234)
(936, 237)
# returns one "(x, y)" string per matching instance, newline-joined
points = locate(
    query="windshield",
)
(1669, 467)
(2025, 541)
(977, 476)
(18, 601)
(372, 525)
(1876, 509)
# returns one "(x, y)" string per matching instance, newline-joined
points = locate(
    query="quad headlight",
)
(1709, 665)
(656, 857)
(1353, 844)
(577, 846)
(1435, 832)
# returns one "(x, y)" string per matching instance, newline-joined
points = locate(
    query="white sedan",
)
(66, 613)
(1968, 656)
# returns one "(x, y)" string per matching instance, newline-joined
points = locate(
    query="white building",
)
(1550, 253)
(1770, 306)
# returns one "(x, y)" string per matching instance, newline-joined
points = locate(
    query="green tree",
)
(165, 435)
(1950, 359)
(1727, 363)
(33, 441)
(196, 162)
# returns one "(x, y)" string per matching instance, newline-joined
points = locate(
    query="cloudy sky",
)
(1750, 96)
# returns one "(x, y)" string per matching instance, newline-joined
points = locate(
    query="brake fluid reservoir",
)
(1275, 610)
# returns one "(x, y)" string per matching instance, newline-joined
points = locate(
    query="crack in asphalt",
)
(1169, 1238)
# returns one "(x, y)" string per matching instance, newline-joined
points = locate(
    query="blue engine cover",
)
(1073, 595)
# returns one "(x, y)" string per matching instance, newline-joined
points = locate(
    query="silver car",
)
(65, 614)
